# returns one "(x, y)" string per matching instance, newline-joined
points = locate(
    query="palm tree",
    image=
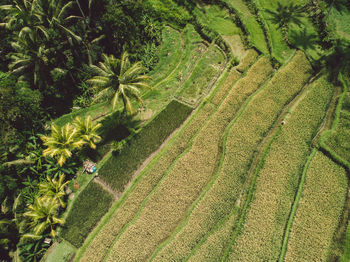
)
(42, 215)
(55, 14)
(54, 189)
(87, 131)
(286, 14)
(30, 57)
(62, 142)
(120, 78)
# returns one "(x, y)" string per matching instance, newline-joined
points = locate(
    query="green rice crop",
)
(203, 75)
(118, 170)
(169, 55)
(92, 203)
(265, 220)
(319, 211)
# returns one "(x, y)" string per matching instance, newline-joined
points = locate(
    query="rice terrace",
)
(168, 130)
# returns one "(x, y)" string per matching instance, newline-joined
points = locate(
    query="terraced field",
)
(235, 172)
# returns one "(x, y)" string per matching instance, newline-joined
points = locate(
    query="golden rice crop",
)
(104, 239)
(250, 56)
(319, 211)
(184, 182)
(99, 245)
(242, 140)
(262, 235)
(230, 80)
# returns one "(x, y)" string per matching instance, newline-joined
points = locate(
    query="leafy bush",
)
(118, 170)
(91, 204)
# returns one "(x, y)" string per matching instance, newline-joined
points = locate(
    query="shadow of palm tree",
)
(303, 39)
(286, 14)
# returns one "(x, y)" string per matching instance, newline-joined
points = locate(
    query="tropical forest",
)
(174, 130)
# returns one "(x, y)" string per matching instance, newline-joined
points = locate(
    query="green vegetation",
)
(209, 66)
(210, 123)
(256, 33)
(62, 252)
(319, 211)
(92, 203)
(118, 170)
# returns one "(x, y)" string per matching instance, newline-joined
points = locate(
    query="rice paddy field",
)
(246, 156)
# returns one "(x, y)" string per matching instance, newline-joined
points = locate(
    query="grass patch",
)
(242, 140)
(169, 201)
(94, 111)
(203, 75)
(346, 255)
(265, 220)
(118, 170)
(169, 54)
(279, 49)
(62, 252)
(319, 211)
(256, 34)
(92, 203)
(218, 20)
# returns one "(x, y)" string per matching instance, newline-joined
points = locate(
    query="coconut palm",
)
(119, 79)
(55, 15)
(62, 142)
(286, 14)
(54, 189)
(87, 131)
(42, 215)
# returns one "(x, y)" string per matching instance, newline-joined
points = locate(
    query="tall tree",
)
(87, 131)
(54, 188)
(121, 79)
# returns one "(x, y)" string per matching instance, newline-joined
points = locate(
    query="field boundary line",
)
(295, 206)
(254, 171)
(166, 173)
(255, 159)
(218, 164)
(125, 194)
(219, 81)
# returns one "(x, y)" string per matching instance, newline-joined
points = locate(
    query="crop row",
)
(92, 203)
(118, 170)
(124, 210)
(319, 211)
(182, 184)
(249, 57)
(277, 180)
(243, 138)
(256, 34)
(209, 66)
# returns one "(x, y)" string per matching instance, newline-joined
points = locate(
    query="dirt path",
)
(106, 187)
